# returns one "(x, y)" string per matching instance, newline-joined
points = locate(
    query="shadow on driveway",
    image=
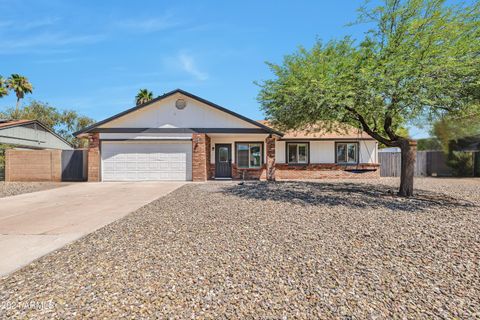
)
(353, 195)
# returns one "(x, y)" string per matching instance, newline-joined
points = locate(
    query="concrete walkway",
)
(34, 224)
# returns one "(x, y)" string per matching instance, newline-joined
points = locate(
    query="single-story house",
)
(180, 136)
(30, 134)
(25, 136)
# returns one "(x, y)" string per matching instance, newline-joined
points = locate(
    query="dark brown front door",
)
(223, 161)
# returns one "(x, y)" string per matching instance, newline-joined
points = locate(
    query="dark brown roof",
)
(340, 131)
(12, 123)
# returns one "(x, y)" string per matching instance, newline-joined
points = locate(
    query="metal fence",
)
(428, 163)
(74, 165)
(2, 164)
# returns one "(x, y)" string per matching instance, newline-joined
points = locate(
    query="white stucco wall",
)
(146, 136)
(368, 151)
(164, 114)
(324, 151)
(280, 151)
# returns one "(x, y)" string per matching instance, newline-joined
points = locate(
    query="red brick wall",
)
(249, 174)
(94, 157)
(274, 171)
(325, 171)
(211, 172)
(200, 156)
(33, 165)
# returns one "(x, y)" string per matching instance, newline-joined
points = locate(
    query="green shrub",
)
(461, 163)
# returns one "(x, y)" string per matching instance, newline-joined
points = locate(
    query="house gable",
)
(31, 134)
(162, 114)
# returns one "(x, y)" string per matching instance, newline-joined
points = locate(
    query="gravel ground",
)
(13, 188)
(334, 249)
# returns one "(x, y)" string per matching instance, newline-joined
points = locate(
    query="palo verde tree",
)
(419, 60)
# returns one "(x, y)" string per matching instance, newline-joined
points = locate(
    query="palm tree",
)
(20, 85)
(143, 96)
(3, 88)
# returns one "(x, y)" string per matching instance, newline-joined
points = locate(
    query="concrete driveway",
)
(34, 224)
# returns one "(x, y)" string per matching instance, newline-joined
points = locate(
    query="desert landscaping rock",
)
(329, 249)
(13, 188)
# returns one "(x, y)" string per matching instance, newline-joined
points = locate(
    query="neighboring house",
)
(30, 134)
(179, 136)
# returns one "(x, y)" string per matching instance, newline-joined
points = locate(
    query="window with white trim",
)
(297, 153)
(347, 152)
(249, 155)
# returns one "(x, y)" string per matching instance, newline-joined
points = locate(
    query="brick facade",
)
(249, 174)
(33, 165)
(94, 157)
(203, 169)
(200, 157)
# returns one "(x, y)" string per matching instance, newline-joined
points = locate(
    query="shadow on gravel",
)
(353, 195)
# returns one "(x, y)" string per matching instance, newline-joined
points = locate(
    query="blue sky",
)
(93, 56)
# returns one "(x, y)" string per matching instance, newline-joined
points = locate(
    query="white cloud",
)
(11, 25)
(56, 61)
(188, 64)
(44, 22)
(46, 40)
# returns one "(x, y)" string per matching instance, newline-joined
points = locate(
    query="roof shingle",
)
(342, 131)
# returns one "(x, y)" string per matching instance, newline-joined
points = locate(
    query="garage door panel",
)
(146, 161)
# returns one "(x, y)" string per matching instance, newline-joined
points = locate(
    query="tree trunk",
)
(409, 154)
(17, 106)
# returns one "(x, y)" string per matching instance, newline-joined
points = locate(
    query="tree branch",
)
(387, 126)
(368, 130)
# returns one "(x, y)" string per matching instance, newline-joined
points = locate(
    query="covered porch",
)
(234, 156)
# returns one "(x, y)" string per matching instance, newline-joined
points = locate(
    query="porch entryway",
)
(223, 161)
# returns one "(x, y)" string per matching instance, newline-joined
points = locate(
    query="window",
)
(297, 153)
(223, 153)
(347, 152)
(249, 155)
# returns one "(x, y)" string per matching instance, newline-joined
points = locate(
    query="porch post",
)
(200, 156)
(94, 157)
(270, 161)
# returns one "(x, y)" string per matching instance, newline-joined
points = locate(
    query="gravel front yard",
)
(13, 188)
(333, 249)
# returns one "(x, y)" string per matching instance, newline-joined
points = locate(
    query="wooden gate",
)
(391, 164)
(74, 165)
(437, 164)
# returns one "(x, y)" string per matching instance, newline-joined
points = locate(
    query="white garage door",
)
(140, 161)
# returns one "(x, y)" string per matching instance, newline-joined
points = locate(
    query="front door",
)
(223, 161)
